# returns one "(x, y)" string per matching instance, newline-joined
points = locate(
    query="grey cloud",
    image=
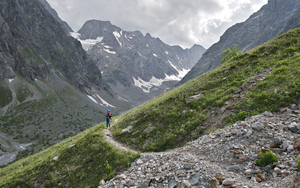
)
(181, 22)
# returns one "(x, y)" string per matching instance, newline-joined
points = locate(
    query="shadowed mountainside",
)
(50, 88)
(256, 30)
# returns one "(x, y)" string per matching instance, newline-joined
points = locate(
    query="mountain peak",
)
(135, 64)
(92, 29)
(148, 35)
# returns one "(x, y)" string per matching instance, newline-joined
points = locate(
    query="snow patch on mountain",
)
(120, 98)
(105, 103)
(117, 36)
(106, 46)
(108, 51)
(87, 44)
(154, 82)
(128, 37)
(181, 73)
(154, 55)
(92, 99)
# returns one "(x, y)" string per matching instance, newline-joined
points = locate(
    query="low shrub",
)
(266, 158)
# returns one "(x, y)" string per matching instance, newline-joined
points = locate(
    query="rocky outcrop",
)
(224, 158)
(55, 15)
(261, 27)
(195, 97)
(33, 43)
(127, 130)
(294, 22)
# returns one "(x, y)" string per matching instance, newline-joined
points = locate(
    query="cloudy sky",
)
(175, 22)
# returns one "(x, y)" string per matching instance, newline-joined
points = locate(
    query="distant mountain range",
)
(261, 27)
(137, 67)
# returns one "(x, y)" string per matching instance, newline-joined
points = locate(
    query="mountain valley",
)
(235, 124)
(48, 92)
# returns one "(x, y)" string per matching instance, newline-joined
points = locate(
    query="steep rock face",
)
(55, 15)
(294, 22)
(32, 42)
(258, 29)
(133, 63)
(50, 88)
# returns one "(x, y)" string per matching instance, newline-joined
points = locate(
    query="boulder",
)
(139, 161)
(149, 129)
(277, 170)
(293, 107)
(275, 145)
(257, 126)
(260, 77)
(286, 144)
(290, 148)
(248, 85)
(55, 158)
(268, 114)
(127, 130)
(262, 176)
(228, 182)
(102, 182)
(187, 184)
(195, 97)
(297, 145)
(293, 127)
(258, 179)
(249, 133)
(234, 168)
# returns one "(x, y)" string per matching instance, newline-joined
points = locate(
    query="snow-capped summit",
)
(134, 64)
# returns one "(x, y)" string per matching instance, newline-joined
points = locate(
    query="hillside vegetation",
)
(80, 161)
(43, 113)
(263, 79)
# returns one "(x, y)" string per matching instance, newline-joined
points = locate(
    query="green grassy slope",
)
(174, 121)
(169, 121)
(82, 160)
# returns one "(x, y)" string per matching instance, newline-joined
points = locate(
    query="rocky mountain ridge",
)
(55, 15)
(292, 23)
(136, 66)
(50, 88)
(225, 158)
(259, 28)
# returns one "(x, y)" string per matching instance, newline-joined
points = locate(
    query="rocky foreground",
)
(225, 158)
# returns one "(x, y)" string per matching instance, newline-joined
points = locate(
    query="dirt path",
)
(109, 138)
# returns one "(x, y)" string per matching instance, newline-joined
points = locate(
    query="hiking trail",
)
(109, 138)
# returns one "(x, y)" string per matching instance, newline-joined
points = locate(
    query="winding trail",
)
(109, 138)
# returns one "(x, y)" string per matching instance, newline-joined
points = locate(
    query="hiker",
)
(108, 118)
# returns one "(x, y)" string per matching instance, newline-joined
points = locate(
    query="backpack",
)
(108, 116)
